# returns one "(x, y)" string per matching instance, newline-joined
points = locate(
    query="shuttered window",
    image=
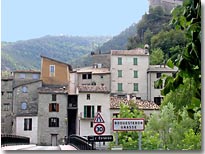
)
(53, 107)
(135, 61)
(89, 111)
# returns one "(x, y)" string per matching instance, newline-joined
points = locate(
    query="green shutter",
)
(135, 86)
(93, 112)
(135, 74)
(119, 73)
(119, 86)
(119, 60)
(85, 111)
(135, 61)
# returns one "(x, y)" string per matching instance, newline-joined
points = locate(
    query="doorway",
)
(54, 139)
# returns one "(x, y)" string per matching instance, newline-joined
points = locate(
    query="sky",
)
(28, 19)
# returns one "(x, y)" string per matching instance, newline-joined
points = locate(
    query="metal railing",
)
(7, 139)
(80, 142)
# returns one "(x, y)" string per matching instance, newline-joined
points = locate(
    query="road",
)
(34, 147)
(42, 148)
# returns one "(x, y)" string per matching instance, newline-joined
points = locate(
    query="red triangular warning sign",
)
(98, 118)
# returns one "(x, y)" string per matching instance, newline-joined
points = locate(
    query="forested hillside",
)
(26, 54)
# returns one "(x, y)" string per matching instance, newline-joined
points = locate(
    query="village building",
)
(154, 73)
(6, 105)
(129, 72)
(25, 103)
(53, 108)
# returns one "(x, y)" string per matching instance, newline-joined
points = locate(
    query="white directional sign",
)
(98, 118)
(128, 124)
(99, 129)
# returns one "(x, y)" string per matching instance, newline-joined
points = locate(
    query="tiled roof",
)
(137, 51)
(59, 89)
(70, 67)
(141, 104)
(93, 70)
(160, 68)
(27, 71)
(93, 88)
(18, 83)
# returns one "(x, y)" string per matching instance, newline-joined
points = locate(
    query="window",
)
(53, 107)
(135, 61)
(88, 111)
(53, 122)
(2, 93)
(24, 89)
(91, 124)
(23, 105)
(52, 70)
(9, 95)
(99, 107)
(86, 76)
(53, 97)
(6, 107)
(36, 76)
(158, 100)
(119, 73)
(156, 86)
(135, 74)
(22, 76)
(27, 124)
(159, 75)
(89, 76)
(136, 87)
(119, 86)
(88, 96)
(119, 60)
(101, 76)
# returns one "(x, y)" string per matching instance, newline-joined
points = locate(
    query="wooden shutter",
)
(57, 107)
(50, 107)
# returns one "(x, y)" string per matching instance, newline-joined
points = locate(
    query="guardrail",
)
(7, 139)
(80, 142)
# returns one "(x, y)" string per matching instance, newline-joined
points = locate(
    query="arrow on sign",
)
(98, 118)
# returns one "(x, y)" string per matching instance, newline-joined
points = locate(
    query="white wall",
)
(31, 134)
(95, 99)
(127, 78)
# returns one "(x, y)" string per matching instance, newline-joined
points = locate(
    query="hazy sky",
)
(27, 19)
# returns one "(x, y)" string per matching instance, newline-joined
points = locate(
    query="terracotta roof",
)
(137, 51)
(18, 83)
(93, 70)
(59, 89)
(26, 71)
(93, 88)
(141, 104)
(161, 68)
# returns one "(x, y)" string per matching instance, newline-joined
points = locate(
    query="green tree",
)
(129, 139)
(156, 56)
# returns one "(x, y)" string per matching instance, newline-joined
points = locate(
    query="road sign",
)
(128, 124)
(98, 118)
(101, 138)
(99, 129)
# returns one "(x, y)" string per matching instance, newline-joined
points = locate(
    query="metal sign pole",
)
(140, 140)
(116, 139)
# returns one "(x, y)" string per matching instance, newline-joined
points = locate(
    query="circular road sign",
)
(99, 129)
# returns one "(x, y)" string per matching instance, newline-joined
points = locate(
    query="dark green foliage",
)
(119, 42)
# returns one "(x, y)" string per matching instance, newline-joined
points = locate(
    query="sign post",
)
(129, 124)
